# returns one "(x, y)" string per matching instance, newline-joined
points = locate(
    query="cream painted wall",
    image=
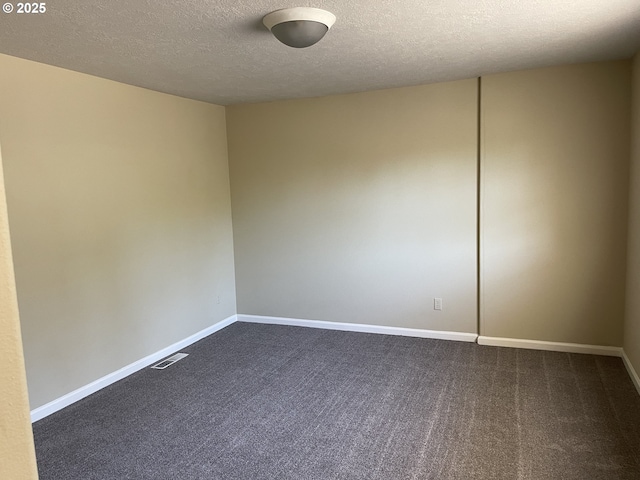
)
(16, 439)
(354, 208)
(120, 218)
(358, 208)
(632, 320)
(555, 149)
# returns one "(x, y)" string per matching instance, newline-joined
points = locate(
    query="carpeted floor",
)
(271, 402)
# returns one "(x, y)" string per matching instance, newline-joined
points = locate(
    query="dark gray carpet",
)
(271, 402)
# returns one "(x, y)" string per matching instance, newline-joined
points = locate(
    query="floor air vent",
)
(169, 361)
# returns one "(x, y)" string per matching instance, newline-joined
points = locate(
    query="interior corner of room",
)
(142, 221)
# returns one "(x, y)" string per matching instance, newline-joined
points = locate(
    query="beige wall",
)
(358, 208)
(632, 321)
(354, 208)
(16, 440)
(555, 149)
(120, 218)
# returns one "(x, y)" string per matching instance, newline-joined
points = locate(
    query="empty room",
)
(339, 240)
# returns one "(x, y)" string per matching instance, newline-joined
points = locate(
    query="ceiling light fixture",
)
(299, 27)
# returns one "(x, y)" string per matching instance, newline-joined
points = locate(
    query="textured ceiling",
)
(219, 51)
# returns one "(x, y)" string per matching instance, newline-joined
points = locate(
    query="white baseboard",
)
(550, 346)
(363, 328)
(632, 372)
(82, 392)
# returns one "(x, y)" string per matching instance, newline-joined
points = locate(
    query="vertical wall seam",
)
(478, 212)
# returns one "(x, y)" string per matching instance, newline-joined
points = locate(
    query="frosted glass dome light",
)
(299, 27)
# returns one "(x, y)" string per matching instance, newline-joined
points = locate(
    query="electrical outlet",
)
(218, 299)
(437, 304)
